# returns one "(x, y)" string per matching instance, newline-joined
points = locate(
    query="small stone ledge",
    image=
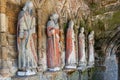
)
(33, 77)
(52, 73)
(69, 70)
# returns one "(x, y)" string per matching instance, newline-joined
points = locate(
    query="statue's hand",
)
(53, 31)
(24, 36)
(35, 35)
(57, 36)
(18, 40)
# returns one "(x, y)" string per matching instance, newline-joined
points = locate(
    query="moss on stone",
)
(84, 75)
(114, 21)
(65, 26)
(74, 76)
(99, 11)
(93, 5)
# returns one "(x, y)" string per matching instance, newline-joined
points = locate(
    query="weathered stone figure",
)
(27, 59)
(81, 50)
(91, 49)
(53, 48)
(70, 56)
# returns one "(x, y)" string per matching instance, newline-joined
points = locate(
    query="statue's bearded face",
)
(54, 17)
(28, 7)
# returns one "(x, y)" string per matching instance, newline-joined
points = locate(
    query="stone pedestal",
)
(35, 77)
(82, 66)
(26, 73)
(54, 69)
(71, 67)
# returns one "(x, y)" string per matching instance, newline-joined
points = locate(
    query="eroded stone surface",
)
(3, 39)
(111, 72)
(3, 21)
(103, 20)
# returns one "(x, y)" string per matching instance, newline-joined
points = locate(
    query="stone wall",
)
(102, 16)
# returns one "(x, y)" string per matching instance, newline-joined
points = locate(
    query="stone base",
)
(70, 67)
(35, 77)
(54, 69)
(82, 68)
(26, 73)
(90, 65)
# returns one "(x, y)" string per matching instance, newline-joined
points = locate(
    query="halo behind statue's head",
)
(28, 5)
(54, 16)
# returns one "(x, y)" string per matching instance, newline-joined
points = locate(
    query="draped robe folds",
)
(70, 57)
(27, 57)
(53, 51)
(91, 50)
(81, 50)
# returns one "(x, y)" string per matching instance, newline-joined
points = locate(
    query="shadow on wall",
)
(111, 72)
(118, 61)
(119, 68)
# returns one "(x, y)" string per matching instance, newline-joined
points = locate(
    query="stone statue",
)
(27, 57)
(91, 49)
(81, 50)
(53, 47)
(70, 56)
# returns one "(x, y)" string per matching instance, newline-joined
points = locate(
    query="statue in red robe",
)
(70, 56)
(53, 48)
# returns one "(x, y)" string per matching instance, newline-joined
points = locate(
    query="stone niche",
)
(12, 12)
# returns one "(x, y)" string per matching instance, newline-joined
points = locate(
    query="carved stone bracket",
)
(2, 6)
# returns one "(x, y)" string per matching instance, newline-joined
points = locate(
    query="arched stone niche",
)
(107, 64)
(112, 56)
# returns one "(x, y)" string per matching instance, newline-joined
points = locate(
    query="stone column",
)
(41, 50)
(3, 39)
(39, 31)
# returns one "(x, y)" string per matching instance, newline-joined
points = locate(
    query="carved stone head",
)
(28, 6)
(54, 17)
(71, 24)
(82, 30)
(92, 32)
